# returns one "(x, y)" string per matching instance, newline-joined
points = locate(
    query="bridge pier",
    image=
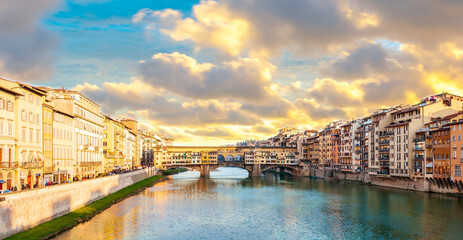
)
(256, 170)
(205, 170)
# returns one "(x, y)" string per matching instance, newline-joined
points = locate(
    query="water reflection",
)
(273, 207)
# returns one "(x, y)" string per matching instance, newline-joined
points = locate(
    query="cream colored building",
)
(28, 129)
(403, 125)
(8, 160)
(130, 140)
(63, 147)
(88, 130)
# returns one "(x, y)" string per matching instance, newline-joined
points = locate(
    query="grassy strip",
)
(174, 171)
(58, 225)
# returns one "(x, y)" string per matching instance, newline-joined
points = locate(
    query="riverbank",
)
(445, 187)
(58, 225)
(174, 171)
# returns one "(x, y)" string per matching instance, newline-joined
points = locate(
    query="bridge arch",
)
(238, 158)
(220, 158)
(294, 170)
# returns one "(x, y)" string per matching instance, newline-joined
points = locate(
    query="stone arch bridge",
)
(253, 159)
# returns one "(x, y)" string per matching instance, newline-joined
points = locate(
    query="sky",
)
(216, 72)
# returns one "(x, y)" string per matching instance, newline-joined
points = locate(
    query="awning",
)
(2, 181)
(429, 164)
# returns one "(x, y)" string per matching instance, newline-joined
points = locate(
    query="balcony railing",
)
(418, 157)
(384, 158)
(384, 150)
(8, 164)
(418, 140)
(383, 142)
(418, 149)
(32, 164)
(386, 133)
(92, 163)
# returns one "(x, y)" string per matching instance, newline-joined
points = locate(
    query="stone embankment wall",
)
(393, 182)
(22, 210)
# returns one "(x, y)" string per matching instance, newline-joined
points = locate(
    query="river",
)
(229, 205)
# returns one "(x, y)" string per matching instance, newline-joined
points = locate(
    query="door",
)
(8, 183)
(29, 179)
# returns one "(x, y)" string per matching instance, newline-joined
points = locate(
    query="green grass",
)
(174, 171)
(58, 225)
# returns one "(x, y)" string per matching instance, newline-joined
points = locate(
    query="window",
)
(10, 128)
(105, 144)
(459, 137)
(457, 171)
(2, 103)
(24, 134)
(10, 106)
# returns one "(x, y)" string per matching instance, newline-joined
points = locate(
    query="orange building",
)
(441, 152)
(456, 145)
(336, 148)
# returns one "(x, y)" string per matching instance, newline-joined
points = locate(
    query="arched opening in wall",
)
(9, 180)
(229, 158)
(220, 158)
(238, 158)
(2, 182)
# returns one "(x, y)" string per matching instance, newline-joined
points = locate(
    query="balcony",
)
(418, 149)
(384, 164)
(8, 164)
(418, 157)
(32, 165)
(386, 133)
(384, 158)
(88, 164)
(383, 142)
(446, 145)
(418, 140)
(384, 150)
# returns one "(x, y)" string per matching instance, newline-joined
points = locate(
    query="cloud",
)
(244, 78)
(26, 48)
(318, 112)
(154, 105)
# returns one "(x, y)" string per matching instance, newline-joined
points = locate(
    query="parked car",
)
(4, 191)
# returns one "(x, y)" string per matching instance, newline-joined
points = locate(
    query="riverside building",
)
(88, 130)
(28, 129)
(8, 160)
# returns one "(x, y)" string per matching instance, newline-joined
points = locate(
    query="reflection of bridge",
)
(254, 159)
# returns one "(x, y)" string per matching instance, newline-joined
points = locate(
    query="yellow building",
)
(113, 145)
(47, 142)
(8, 160)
